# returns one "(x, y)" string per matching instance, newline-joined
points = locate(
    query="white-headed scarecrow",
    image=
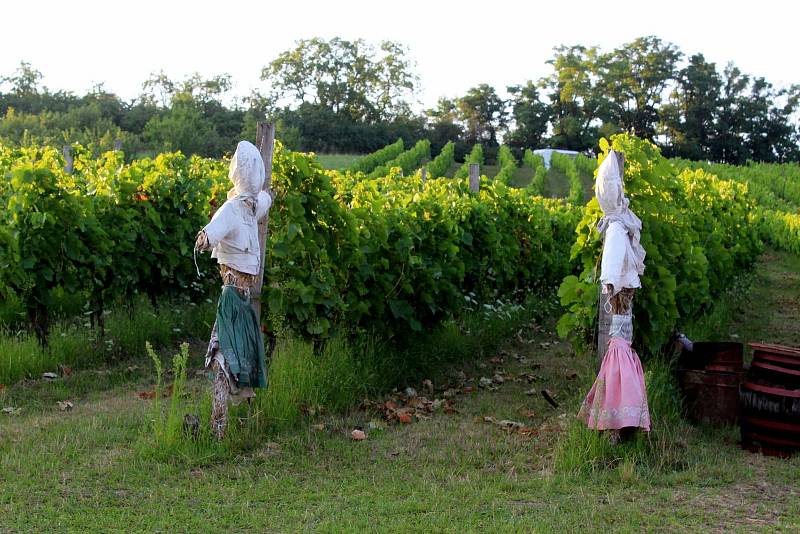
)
(618, 398)
(236, 349)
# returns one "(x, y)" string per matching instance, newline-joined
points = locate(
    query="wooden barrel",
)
(714, 356)
(710, 397)
(709, 376)
(769, 401)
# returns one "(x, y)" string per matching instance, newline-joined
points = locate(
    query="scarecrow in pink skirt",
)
(618, 399)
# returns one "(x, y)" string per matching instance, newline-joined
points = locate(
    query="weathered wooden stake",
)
(474, 177)
(424, 175)
(265, 141)
(604, 317)
(67, 152)
(117, 144)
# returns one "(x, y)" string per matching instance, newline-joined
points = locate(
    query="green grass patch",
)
(338, 162)
(75, 343)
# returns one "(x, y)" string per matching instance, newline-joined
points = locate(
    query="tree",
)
(347, 77)
(577, 104)
(689, 118)
(728, 146)
(634, 78)
(530, 116)
(24, 81)
(443, 126)
(183, 127)
(483, 114)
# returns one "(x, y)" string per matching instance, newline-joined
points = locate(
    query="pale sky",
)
(456, 44)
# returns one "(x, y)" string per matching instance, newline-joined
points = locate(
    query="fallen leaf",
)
(571, 375)
(404, 418)
(485, 382)
(449, 393)
(319, 428)
(49, 376)
(510, 425)
(504, 423)
(358, 435)
(530, 377)
(496, 360)
(65, 406)
(427, 386)
(531, 392)
(498, 379)
(530, 414)
(11, 411)
(66, 371)
(544, 344)
(468, 389)
(146, 395)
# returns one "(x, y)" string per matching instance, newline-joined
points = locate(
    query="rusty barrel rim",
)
(781, 350)
(772, 390)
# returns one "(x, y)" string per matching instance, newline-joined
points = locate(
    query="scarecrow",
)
(236, 350)
(618, 399)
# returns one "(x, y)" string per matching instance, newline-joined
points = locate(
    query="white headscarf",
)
(246, 172)
(611, 197)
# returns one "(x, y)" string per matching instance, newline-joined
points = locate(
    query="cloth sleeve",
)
(263, 205)
(221, 224)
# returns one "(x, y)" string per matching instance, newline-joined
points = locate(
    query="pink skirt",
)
(618, 398)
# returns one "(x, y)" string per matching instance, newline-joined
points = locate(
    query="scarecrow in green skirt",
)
(236, 350)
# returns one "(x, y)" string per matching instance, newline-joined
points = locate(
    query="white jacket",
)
(233, 231)
(623, 255)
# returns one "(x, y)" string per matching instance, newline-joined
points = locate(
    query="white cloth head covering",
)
(246, 172)
(233, 231)
(623, 262)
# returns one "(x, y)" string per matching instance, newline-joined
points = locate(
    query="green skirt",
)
(239, 340)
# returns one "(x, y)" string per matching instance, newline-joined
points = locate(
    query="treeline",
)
(349, 96)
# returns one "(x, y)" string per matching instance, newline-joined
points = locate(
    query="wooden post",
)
(265, 141)
(424, 175)
(604, 317)
(474, 177)
(117, 145)
(67, 152)
(603, 326)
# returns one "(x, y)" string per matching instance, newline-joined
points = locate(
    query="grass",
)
(556, 184)
(74, 344)
(337, 162)
(83, 470)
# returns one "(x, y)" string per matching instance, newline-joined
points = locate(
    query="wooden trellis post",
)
(68, 160)
(604, 317)
(265, 141)
(474, 177)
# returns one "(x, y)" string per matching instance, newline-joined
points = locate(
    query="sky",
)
(455, 44)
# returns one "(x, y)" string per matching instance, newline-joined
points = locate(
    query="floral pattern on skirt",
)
(618, 398)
